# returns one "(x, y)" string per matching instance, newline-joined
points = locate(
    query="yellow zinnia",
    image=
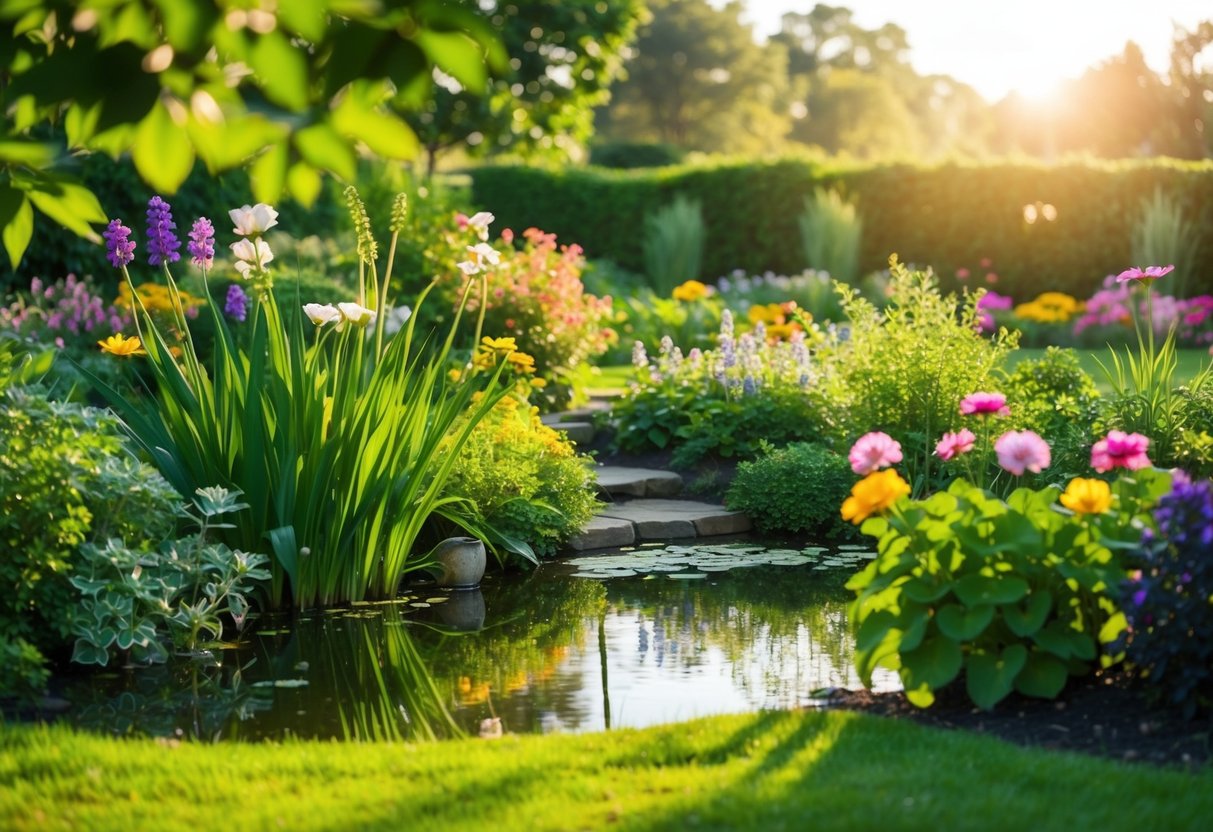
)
(498, 344)
(1087, 496)
(119, 345)
(691, 290)
(522, 362)
(873, 494)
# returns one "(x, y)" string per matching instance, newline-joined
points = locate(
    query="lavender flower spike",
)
(235, 305)
(119, 248)
(162, 243)
(202, 243)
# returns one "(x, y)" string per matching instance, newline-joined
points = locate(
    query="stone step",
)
(667, 519)
(602, 533)
(579, 433)
(638, 482)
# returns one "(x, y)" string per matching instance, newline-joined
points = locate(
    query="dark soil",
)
(1105, 716)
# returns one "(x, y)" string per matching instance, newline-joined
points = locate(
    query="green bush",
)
(68, 481)
(831, 233)
(1013, 595)
(1053, 396)
(946, 215)
(627, 155)
(527, 481)
(1163, 234)
(673, 244)
(795, 489)
(904, 370)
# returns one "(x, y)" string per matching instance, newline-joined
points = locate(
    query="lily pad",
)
(687, 576)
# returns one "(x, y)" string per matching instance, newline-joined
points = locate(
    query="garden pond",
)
(634, 637)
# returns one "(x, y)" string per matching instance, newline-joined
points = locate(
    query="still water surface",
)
(628, 646)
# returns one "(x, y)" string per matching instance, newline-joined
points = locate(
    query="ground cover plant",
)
(824, 770)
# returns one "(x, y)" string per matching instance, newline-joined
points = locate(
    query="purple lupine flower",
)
(119, 248)
(162, 243)
(202, 245)
(235, 306)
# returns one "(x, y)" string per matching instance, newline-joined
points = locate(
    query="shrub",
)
(720, 402)
(793, 489)
(1053, 396)
(532, 293)
(831, 233)
(947, 215)
(1164, 234)
(527, 481)
(67, 481)
(905, 370)
(1170, 635)
(1016, 595)
(673, 244)
(627, 155)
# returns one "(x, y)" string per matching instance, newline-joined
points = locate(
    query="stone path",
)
(651, 515)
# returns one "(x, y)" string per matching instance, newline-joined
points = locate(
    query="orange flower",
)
(873, 494)
(691, 290)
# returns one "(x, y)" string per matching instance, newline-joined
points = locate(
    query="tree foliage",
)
(294, 90)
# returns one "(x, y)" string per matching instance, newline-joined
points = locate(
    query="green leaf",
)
(991, 676)
(17, 219)
(51, 199)
(86, 652)
(385, 135)
(457, 55)
(973, 590)
(1025, 619)
(934, 663)
(924, 592)
(34, 154)
(286, 550)
(1065, 642)
(187, 23)
(322, 147)
(1113, 627)
(304, 17)
(963, 624)
(162, 153)
(1043, 676)
(921, 696)
(268, 173)
(303, 182)
(281, 71)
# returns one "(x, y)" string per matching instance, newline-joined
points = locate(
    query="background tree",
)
(1191, 80)
(292, 89)
(697, 79)
(563, 57)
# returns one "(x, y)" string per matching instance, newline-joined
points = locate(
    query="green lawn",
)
(794, 771)
(1190, 362)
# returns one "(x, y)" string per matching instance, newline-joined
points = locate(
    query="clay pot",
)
(462, 560)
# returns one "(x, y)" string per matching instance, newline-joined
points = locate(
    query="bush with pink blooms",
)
(533, 294)
(999, 595)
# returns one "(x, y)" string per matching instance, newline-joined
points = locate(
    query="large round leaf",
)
(934, 663)
(988, 589)
(964, 623)
(1026, 618)
(991, 676)
(1043, 676)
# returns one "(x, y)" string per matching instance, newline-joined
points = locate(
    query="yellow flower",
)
(777, 332)
(1087, 496)
(454, 374)
(121, 346)
(539, 383)
(770, 313)
(873, 494)
(692, 290)
(498, 344)
(522, 362)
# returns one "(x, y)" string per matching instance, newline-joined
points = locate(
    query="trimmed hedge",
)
(946, 215)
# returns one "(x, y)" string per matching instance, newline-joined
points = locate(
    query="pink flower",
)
(1145, 275)
(982, 404)
(874, 451)
(954, 444)
(1020, 451)
(993, 300)
(962, 274)
(1120, 450)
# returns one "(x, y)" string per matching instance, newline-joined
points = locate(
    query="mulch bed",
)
(1105, 716)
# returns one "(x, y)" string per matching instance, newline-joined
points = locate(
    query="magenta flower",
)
(1120, 450)
(874, 451)
(162, 243)
(1020, 451)
(984, 404)
(1144, 275)
(119, 248)
(952, 445)
(993, 300)
(202, 243)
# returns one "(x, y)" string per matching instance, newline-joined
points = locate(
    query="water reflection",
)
(540, 653)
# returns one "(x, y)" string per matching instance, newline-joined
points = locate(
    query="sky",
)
(1029, 46)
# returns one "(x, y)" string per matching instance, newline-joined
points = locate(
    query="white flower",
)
(482, 252)
(469, 268)
(396, 319)
(251, 220)
(251, 255)
(356, 314)
(481, 221)
(321, 313)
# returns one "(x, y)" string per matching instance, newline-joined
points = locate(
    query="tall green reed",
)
(1162, 234)
(831, 231)
(341, 438)
(673, 244)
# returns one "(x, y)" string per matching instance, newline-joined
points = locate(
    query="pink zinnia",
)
(1146, 275)
(1120, 450)
(874, 451)
(981, 404)
(1020, 451)
(954, 444)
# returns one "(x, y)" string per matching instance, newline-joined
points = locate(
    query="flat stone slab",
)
(601, 533)
(638, 482)
(662, 519)
(579, 433)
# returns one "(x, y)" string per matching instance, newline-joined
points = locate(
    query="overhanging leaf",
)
(162, 153)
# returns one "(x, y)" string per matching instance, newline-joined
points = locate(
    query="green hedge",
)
(946, 215)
